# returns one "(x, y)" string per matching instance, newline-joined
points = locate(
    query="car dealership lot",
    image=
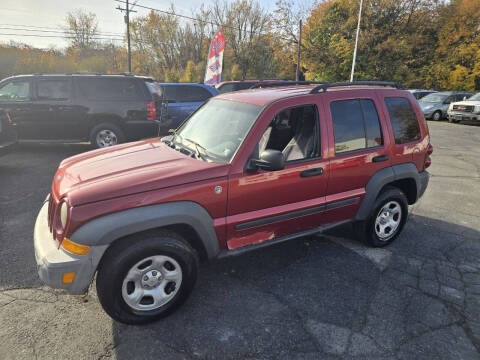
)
(317, 297)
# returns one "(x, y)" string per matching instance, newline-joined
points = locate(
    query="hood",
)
(468, 103)
(127, 169)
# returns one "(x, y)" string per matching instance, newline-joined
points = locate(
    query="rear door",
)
(59, 118)
(360, 141)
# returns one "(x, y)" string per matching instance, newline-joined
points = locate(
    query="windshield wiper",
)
(197, 148)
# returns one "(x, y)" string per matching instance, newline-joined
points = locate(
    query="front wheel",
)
(437, 116)
(387, 219)
(144, 278)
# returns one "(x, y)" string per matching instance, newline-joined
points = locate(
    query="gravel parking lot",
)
(325, 297)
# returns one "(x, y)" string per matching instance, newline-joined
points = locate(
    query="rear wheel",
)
(387, 219)
(105, 135)
(144, 278)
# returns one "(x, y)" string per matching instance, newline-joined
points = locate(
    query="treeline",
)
(421, 43)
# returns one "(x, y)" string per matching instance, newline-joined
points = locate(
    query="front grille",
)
(465, 108)
(52, 209)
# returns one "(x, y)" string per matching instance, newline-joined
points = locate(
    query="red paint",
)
(148, 172)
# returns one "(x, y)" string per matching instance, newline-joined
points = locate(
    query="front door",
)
(264, 205)
(16, 100)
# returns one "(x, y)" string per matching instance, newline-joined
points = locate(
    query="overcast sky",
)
(47, 16)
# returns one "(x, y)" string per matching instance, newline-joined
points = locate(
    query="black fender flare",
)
(106, 229)
(384, 177)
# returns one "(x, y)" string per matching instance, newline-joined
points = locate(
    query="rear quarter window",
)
(403, 119)
(110, 89)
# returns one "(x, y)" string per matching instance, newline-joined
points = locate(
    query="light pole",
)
(356, 41)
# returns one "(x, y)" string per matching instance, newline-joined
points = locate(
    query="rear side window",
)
(404, 121)
(109, 89)
(186, 93)
(53, 89)
(355, 125)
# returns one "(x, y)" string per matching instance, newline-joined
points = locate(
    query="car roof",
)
(146, 78)
(264, 96)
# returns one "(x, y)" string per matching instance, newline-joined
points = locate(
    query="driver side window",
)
(15, 91)
(294, 132)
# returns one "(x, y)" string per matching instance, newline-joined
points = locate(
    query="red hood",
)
(127, 169)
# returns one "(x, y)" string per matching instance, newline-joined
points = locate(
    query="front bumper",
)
(458, 116)
(423, 183)
(53, 261)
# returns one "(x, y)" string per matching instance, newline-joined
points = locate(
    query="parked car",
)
(421, 93)
(246, 170)
(229, 86)
(8, 134)
(435, 105)
(103, 109)
(183, 99)
(467, 110)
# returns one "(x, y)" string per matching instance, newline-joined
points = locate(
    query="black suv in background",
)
(103, 109)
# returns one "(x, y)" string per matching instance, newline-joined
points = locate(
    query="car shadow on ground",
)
(324, 296)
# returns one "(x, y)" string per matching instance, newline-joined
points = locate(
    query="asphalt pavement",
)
(320, 297)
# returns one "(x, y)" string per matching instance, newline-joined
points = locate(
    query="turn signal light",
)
(67, 278)
(75, 248)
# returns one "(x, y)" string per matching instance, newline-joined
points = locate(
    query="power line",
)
(20, 26)
(58, 36)
(51, 31)
(190, 18)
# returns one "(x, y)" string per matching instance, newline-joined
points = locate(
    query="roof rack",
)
(327, 85)
(285, 83)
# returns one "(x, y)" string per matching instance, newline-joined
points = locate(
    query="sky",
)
(47, 18)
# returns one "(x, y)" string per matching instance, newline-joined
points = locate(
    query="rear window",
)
(234, 87)
(109, 89)
(355, 125)
(186, 93)
(53, 89)
(404, 121)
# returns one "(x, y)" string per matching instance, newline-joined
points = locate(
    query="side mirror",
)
(271, 160)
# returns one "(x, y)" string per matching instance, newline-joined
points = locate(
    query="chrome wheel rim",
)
(106, 138)
(436, 116)
(388, 220)
(152, 283)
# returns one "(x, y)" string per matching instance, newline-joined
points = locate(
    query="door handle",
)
(311, 172)
(380, 158)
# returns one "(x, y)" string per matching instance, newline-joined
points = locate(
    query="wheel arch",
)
(403, 176)
(188, 219)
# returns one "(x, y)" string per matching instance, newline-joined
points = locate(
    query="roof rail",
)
(327, 85)
(286, 83)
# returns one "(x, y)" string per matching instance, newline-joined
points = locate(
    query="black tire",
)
(365, 230)
(122, 256)
(109, 128)
(437, 115)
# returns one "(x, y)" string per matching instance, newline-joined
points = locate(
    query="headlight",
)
(477, 109)
(64, 214)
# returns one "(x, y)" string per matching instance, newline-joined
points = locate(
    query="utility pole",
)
(356, 41)
(297, 76)
(127, 22)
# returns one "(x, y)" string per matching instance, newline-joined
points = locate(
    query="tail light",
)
(151, 110)
(428, 161)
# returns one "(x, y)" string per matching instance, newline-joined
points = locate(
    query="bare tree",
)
(81, 28)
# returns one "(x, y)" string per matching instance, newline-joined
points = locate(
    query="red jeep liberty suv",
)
(248, 169)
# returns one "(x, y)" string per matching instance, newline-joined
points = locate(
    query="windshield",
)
(434, 98)
(475, 97)
(217, 129)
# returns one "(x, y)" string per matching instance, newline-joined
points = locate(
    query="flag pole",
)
(356, 41)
